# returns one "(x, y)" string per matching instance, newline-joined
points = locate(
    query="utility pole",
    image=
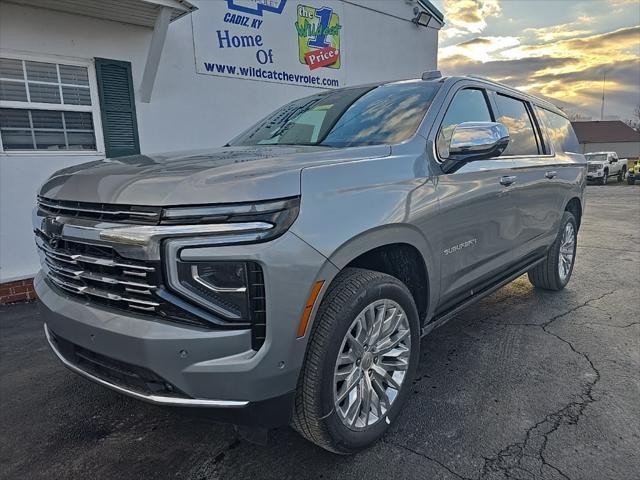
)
(604, 80)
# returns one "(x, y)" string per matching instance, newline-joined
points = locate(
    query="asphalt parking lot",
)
(524, 385)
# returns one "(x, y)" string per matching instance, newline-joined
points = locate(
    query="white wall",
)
(623, 149)
(187, 110)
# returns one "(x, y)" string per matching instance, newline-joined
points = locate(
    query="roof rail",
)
(508, 87)
(431, 75)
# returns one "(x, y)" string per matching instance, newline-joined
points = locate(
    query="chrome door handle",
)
(551, 174)
(508, 180)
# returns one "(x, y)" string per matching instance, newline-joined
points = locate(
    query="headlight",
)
(232, 291)
(225, 292)
(225, 224)
(279, 213)
(226, 289)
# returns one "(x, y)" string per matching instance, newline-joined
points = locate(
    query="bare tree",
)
(634, 122)
(573, 115)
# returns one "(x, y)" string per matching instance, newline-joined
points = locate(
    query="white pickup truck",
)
(602, 165)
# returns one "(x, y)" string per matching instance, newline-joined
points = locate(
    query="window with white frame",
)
(46, 106)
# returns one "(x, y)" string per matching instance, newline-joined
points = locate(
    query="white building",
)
(608, 136)
(81, 80)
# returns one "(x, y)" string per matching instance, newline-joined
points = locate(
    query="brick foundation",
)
(18, 291)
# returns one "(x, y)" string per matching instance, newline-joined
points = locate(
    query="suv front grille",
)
(101, 211)
(592, 168)
(98, 274)
(122, 374)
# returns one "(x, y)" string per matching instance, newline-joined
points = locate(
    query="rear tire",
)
(339, 347)
(554, 272)
(621, 174)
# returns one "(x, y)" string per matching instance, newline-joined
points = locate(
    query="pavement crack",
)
(573, 309)
(427, 457)
(520, 459)
(628, 325)
(608, 325)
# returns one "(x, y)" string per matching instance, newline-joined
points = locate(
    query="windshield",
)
(351, 117)
(600, 157)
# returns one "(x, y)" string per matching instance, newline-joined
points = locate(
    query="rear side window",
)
(469, 105)
(515, 116)
(559, 131)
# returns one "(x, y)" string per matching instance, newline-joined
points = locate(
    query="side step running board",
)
(448, 315)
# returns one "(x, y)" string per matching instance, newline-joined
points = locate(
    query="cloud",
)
(566, 70)
(562, 31)
(516, 72)
(479, 48)
(468, 16)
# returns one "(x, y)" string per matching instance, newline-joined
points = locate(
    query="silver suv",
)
(287, 277)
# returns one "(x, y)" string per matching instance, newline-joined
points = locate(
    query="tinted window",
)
(468, 105)
(357, 116)
(559, 131)
(515, 116)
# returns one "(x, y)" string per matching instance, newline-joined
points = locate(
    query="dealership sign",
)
(281, 41)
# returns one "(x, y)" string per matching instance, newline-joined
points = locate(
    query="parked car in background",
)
(602, 165)
(288, 276)
(633, 174)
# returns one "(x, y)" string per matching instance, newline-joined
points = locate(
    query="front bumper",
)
(212, 368)
(594, 175)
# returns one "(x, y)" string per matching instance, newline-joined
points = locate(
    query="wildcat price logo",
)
(318, 32)
(254, 40)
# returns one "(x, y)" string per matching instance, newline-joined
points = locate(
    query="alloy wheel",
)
(372, 364)
(567, 251)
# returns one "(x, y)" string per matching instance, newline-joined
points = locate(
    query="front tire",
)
(554, 272)
(362, 354)
(605, 178)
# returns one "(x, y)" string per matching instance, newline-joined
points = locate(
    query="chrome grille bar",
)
(80, 274)
(100, 275)
(44, 203)
(75, 258)
(96, 277)
(100, 210)
(101, 293)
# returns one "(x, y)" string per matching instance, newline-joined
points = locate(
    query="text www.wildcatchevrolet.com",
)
(274, 75)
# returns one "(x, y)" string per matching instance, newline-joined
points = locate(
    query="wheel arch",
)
(394, 250)
(574, 205)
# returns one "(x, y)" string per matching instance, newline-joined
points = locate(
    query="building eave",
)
(135, 12)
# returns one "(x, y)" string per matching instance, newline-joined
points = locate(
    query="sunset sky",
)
(556, 48)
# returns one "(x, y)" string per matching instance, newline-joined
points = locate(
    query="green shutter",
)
(117, 107)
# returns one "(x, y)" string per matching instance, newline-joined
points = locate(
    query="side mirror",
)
(472, 141)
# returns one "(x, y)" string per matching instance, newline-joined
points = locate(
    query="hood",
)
(224, 175)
